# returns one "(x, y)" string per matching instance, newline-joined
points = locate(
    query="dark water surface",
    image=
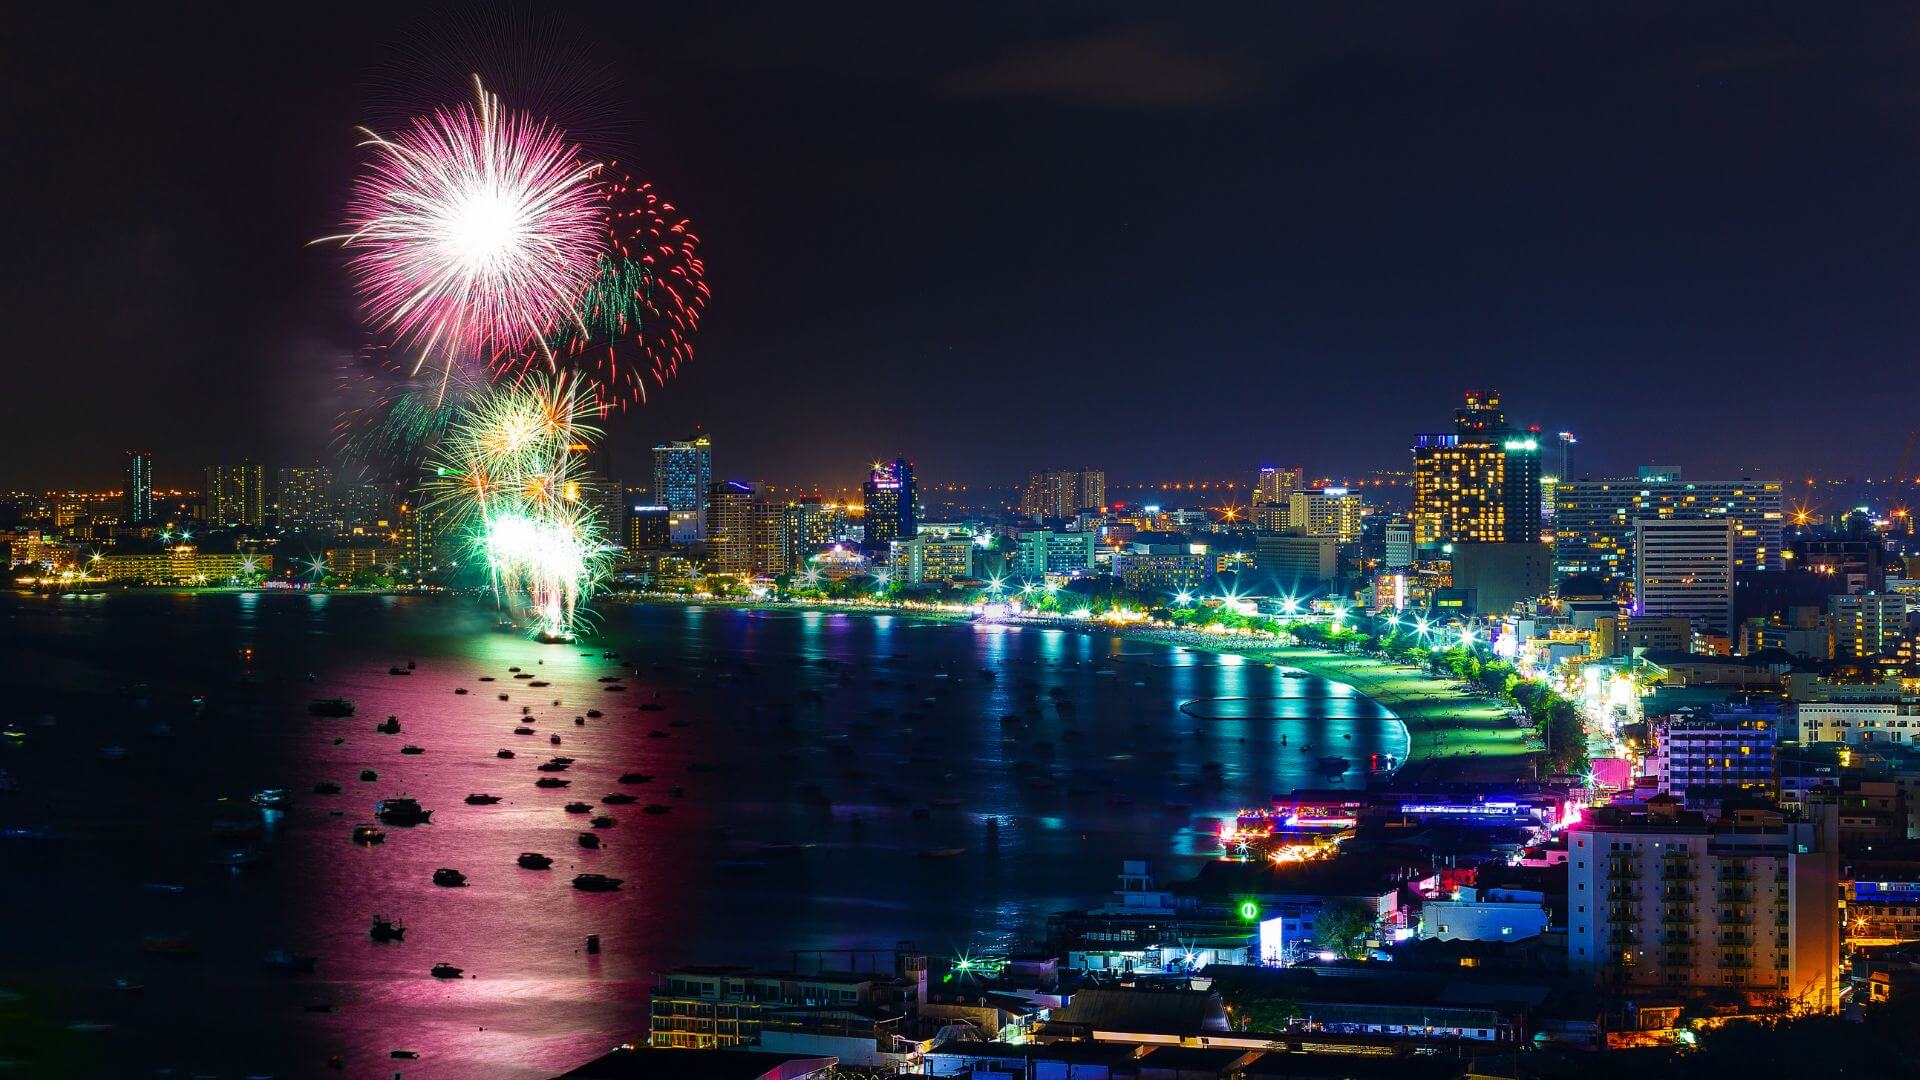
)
(805, 743)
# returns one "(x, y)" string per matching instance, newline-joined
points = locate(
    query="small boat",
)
(398, 671)
(595, 883)
(656, 733)
(404, 1055)
(560, 761)
(551, 782)
(445, 971)
(635, 778)
(551, 766)
(287, 960)
(523, 730)
(503, 697)
(523, 675)
(369, 834)
(579, 721)
(482, 800)
(614, 688)
(656, 808)
(459, 689)
(335, 706)
(389, 726)
(399, 811)
(941, 852)
(533, 860)
(449, 878)
(593, 714)
(486, 678)
(578, 808)
(503, 753)
(603, 821)
(589, 840)
(385, 929)
(412, 749)
(650, 706)
(539, 682)
(554, 739)
(516, 667)
(326, 787)
(271, 798)
(617, 798)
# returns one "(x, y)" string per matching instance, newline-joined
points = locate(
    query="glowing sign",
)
(1249, 911)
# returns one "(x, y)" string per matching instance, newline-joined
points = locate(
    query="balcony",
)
(1677, 939)
(1677, 871)
(1736, 917)
(1680, 894)
(1735, 894)
(1735, 962)
(1623, 892)
(1623, 915)
(1736, 940)
(1736, 873)
(1620, 872)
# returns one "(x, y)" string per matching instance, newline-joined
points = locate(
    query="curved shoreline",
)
(1452, 737)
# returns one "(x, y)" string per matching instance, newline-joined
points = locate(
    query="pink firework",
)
(477, 230)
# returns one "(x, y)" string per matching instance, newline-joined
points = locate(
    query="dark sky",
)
(1175, 246)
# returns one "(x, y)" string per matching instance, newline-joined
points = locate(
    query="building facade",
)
(1480, 484)
(137, 493)
(235, 496)
(891, 497)
(1333, 511)
(1684, 567)
(1594, 519)
(682, 477)
(1059, 494)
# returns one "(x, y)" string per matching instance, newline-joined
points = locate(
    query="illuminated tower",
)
(682, 475)
(138, 497)
(890, 497)
(1480, 484)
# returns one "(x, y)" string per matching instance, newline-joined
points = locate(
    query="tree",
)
(1341, 926)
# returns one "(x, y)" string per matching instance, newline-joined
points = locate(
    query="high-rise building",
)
(1399, 545)
(1333, 511)
(648, 528)
(1059, 494)
(1665, 901)
(1480, 484)
(1866, 625)
(235, 495)
(810, 524)
(137, 499)
(303, 498)
(890, 496)
(1684, 567)
(1043, 551)
(682, 477)
(1296, 565)
(928, 558)
(1274, 486)
(1594, 519)
(731, 527)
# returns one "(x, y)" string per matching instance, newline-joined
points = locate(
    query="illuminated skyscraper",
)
(890, 497)
(235, 495)
(138, 497)
(1594, 519)
(730, 532)
(1684, 567)
(682, 477)
(1331, 512)
(1480, 484)
(1058, 494)
(1275, 486)
(303, 497)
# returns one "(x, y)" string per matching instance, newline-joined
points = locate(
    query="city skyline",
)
(1280, 278)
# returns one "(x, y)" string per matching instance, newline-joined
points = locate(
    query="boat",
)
(941, 852)
(398, 671)
(445, 971)
(602, 821)
(635, 778)
(650, 706)
(271, 798)
(533, 860)
(656, 808)
(447, 877)
(593, 714)
(551, 782)
(369, 834)
(524, 675)
(412, 749)
(503, 753)
(523, 730)
(288, 960)
(560, 761)
(578, 808)
(589, 840)
(459, 689)
(551, 766)
(326, 787)
(613, 688)
(595, 883)
(482, 800)
(389, 726)
(333, 706)
(385, 929)
(539, 682)
(403, 1055)
(554, 739)
(617, 798)
(401, 811)
(486, 678)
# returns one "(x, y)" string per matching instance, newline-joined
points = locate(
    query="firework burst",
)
(507, 477)
(476, 231)
(636, 319)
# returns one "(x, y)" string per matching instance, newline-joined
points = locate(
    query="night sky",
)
(1173, 245)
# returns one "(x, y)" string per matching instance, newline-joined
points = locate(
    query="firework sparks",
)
(508, 479)
(476, 231)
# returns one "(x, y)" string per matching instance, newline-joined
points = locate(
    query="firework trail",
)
(507, 478)
(475, 233)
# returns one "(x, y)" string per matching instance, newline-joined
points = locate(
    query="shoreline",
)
(1452, 737)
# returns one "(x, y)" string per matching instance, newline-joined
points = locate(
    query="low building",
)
(862, 1019)
(1043, 552)
(1486, 915)
(180, 565)
(1296, 565)
(1163, 568)
(1495, 577)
